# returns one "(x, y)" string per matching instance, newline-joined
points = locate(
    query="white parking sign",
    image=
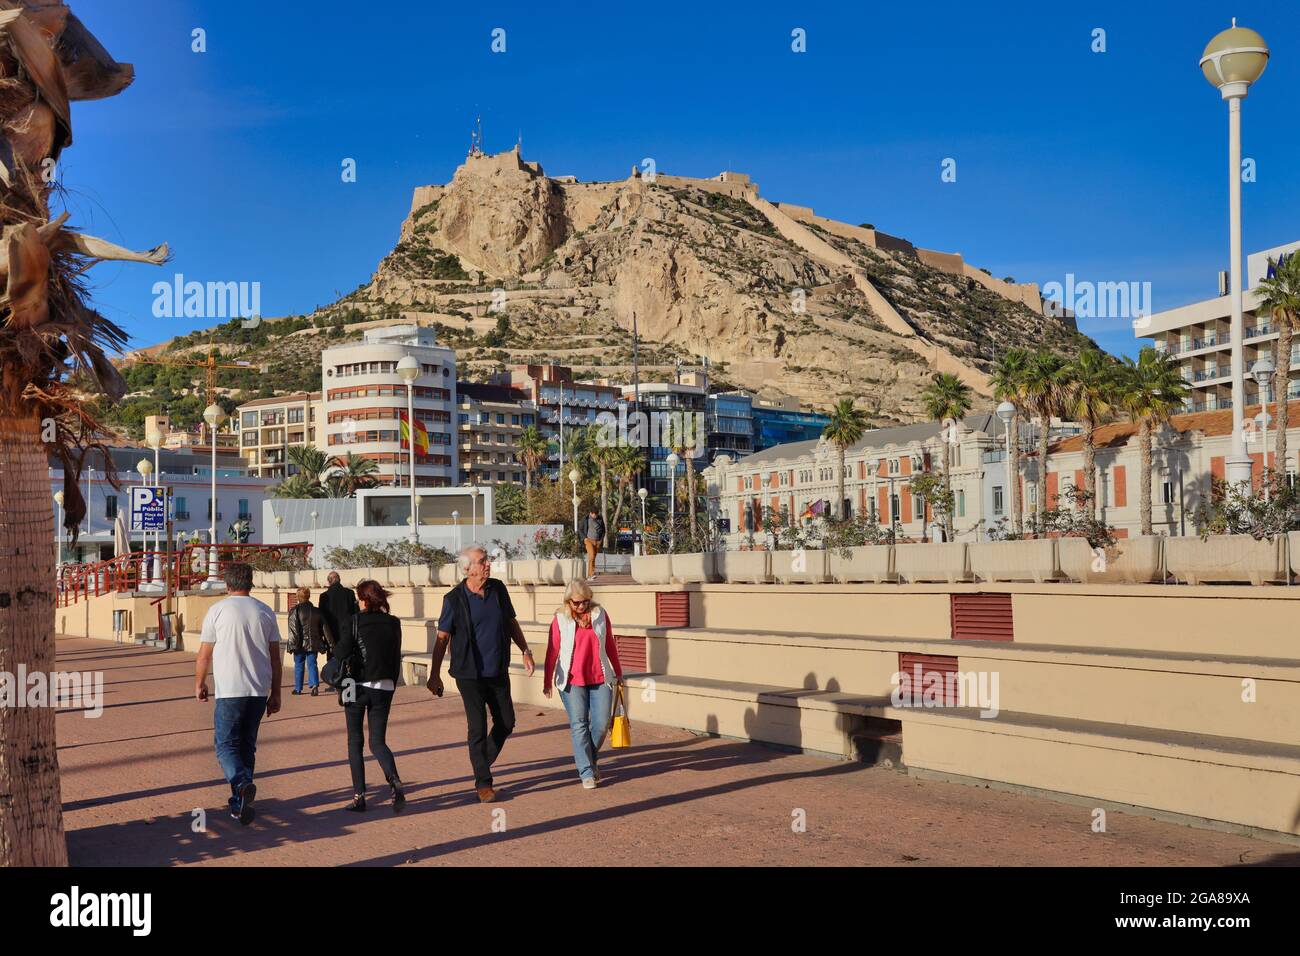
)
(148, 509)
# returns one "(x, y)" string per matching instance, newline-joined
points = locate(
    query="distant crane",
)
(209, 364)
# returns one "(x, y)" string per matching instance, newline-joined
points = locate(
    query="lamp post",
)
(419, 499)
(155, 441)
(145, 467)
(214, 415)
(1006, 411)
(473, 511)
(574, 475)
(1262, 373)
(314, 516)
(58, 533)
(409, 369)
(672, 460)
(1232, 61)
(455, 520)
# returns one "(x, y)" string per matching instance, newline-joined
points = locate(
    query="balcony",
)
(1260, 330)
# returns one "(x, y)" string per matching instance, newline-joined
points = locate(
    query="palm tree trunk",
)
(1043, 436)
(947, 488)
(604, 504)
(1144, 441)
(31, 810)
(619, 495)
(1090, 467)
(1281, 384)
(839, 487)
(1017, 506)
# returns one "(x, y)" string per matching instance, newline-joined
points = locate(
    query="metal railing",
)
(139, 570)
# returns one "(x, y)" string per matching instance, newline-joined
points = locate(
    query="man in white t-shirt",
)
(240, 643)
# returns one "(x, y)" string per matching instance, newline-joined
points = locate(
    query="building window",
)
(961, 504)
(110, 506)
(895, 509)
(244, 512)
(997, 500)
(893, 466)
(1167, 492)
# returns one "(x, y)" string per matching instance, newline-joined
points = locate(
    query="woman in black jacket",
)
(373, 646)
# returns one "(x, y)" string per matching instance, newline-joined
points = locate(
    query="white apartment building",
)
(877, 480)
(364, 400)
(269, 427)
(1199, 336)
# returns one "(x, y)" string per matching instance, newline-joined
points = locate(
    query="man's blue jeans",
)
(313, 677)
(236, 720)
(588, 709)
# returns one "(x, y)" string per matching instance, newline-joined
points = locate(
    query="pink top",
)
(585, 670)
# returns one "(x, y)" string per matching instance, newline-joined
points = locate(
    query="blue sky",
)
(1110, 166)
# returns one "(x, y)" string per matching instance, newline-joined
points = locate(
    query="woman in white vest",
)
(582, 664)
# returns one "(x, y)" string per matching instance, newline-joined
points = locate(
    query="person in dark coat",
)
(372, 646)
(338, 604)
(310, 634)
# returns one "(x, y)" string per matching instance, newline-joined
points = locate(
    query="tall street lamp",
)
(145, 467)
(574, 475)
(1262, 373)
(214, 415)
(155, 441)
(672, 461)
(409, 370)
(1232, 61)
(455, 520)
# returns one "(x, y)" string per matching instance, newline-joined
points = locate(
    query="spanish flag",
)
(421, 437)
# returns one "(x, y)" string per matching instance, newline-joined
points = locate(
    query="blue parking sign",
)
(148, 509)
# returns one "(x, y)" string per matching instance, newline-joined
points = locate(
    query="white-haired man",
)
(478, 623)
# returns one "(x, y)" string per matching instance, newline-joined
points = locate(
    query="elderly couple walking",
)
(240, 646)
(478, 625)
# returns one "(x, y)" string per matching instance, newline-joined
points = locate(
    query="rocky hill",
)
(516, 266)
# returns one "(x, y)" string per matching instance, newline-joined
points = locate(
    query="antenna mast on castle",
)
(476, 138)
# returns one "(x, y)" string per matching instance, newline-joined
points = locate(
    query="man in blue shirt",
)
(478, 623)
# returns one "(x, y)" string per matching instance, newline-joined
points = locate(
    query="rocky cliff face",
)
(517, 266)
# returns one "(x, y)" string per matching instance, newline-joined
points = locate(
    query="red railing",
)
(186, 569)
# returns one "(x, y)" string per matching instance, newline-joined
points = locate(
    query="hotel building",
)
(1199, 337)
(364, 401)
(550, 387)
(269, 427)
(489, 421)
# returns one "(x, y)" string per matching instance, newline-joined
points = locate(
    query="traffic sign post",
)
(148, 509)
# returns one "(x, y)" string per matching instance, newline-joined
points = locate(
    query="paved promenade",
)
(134, 777)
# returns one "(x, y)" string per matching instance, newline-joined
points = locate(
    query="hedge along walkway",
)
(140, 779)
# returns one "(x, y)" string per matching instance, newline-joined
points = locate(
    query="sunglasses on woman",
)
(579, 603)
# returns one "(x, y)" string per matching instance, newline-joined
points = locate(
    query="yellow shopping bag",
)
(620, 728)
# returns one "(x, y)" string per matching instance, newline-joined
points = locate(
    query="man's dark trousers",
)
(480, 695)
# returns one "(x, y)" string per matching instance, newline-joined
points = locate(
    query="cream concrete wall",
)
(1224, 620)
(864, 609)
(1248, 791)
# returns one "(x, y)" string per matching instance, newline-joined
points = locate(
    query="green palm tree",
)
(627, 463)
(845, 428)
(947, 399)
(312, 463)
(352, 474)
(1089, 392)
(1008, 381)
(532, 448)
(1150, 391)
(298, 486)
(1043, 386)
(1279, 297)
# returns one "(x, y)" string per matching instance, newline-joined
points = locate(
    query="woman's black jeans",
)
(377, 703)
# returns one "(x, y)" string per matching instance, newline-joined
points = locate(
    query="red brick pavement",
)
(134, 778)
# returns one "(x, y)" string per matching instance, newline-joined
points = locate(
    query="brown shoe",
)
(486, 794)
